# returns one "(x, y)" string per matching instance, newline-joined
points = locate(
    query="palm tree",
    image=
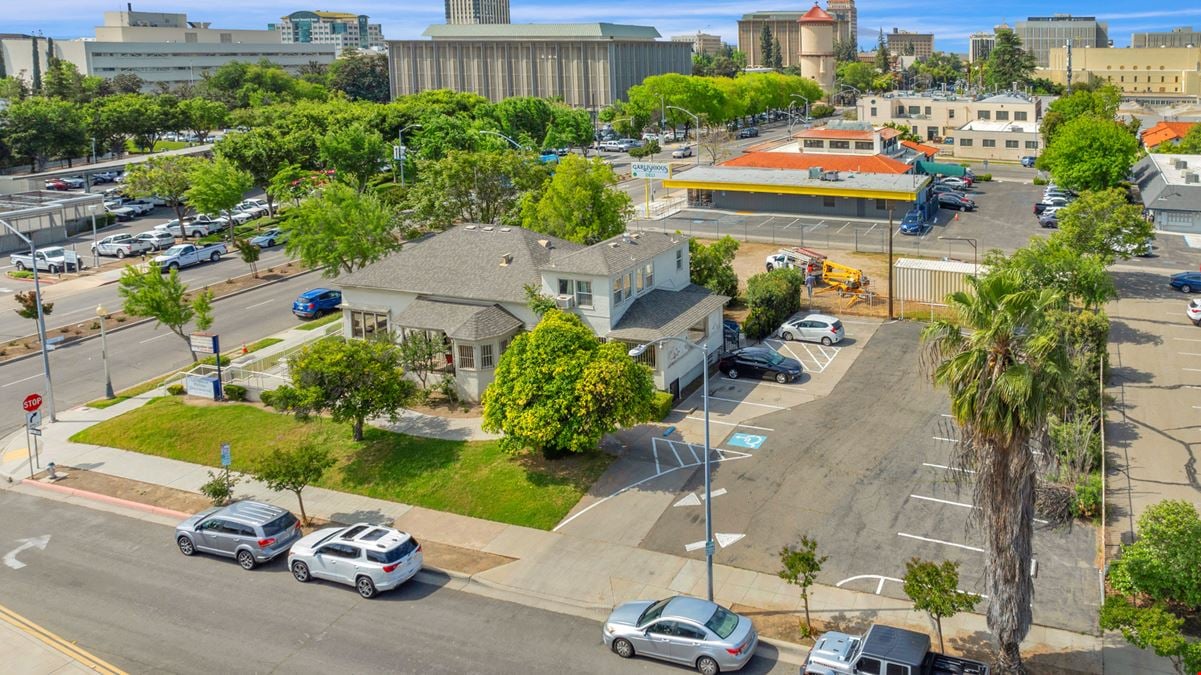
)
(1003, 366)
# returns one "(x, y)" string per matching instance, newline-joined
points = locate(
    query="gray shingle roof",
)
(465, 262)
(1162, 186)
(457, 320)
(616, 254)
(662, 313)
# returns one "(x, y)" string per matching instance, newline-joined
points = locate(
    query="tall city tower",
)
(817, 47)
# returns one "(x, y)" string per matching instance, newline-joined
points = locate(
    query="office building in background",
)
(979, 46)
(783, 27)
(702, 43)
(477, 11)
(905, 43)
(1184, 36)
(340, 29)
(846, 21)
(1039, 34)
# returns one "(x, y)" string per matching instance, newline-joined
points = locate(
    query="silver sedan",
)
(685, 630)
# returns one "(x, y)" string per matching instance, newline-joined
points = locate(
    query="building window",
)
(989, 143)
(467, 357)
(814, 143)
(367, 324)
(1032, 145)
(951, 114)
(699, 331)
(1019, 115)
(486, 356)
(679, 259)
(504, 344)
(840, 145)
(915, 110)
(620, 288)
(648, 274)
(881, 204)
(864, 145)
(564, 286)
(828, 202)
(927, 110)
(1003, 115)
(965, 142)
(1011, 144)
(984, 114)
(873, 112)
(583, 293)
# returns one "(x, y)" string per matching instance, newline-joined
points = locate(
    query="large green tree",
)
(362, 76)
(355, 153)
(1008, 62)
(1052, 262)
(218, 185)
(1101, 103)
(579, 203)
(883, 57)
(712, 265)
(559, 389)
(1164, 563)
(767, 46)
(167, 177)
(351, 380)
(1004, 367)
(1153, 626)
(201, 116)
(164, 298)
(859, 75)
(1090, 153)
(262, 151)
(1104, 223)
(340, 230)
(474, 187)
(569, 127)
(39, 129)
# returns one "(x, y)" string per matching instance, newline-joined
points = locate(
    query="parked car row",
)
(371, 558)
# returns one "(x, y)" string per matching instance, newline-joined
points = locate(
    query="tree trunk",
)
(938, 626)
(808, 623)
(304, 518)
(1005, 493)
(358, 429)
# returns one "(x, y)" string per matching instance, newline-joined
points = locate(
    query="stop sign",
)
(32, 402)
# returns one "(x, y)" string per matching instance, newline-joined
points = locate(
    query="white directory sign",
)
(650, 170)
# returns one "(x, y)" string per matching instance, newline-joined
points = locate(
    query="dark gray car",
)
(249, 532)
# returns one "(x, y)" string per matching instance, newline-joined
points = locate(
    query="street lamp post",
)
(37, 298)
(806, 103)
(102, 314)
(697, 129)
(704, 347)
(400, 141)
(516, 145)
(92, 208)
(972, 242)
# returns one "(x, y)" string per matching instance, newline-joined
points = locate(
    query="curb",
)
(139, 322)
(106, 499)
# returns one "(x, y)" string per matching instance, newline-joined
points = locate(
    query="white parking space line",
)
(845, 226)
(761, 405)
(260, 304)
(869, 230)
(1192, 370)
(948, 440)
(947, 468)
(672, 445)
(1187, 339)
(762, 384)
(728, 424)
(156, 337)
(939, 541)
(31, 377)
(960, 504)
(1188, 354)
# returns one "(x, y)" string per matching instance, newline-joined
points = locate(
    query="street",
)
(146, 351)
(119, 588)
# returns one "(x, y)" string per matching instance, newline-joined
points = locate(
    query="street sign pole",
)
(29, 451)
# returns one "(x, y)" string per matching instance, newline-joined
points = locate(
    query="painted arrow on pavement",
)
(39, 543)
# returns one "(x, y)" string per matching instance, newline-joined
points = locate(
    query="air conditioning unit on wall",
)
(565, 301)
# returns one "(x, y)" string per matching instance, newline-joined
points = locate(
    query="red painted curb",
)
(96, 496)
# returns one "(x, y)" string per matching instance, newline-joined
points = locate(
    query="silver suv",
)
(371, 558)
(249, 532)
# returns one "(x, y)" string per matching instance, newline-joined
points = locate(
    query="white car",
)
(681, 153)
(1194, 312)
(159, 240)
(371, 558)
(821, 328)
(955, 182)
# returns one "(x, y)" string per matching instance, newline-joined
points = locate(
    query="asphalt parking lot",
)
(863, 470)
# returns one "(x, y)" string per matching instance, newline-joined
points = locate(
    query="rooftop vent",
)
(1180, 163)
(1191, 177)
(469, 227)
(506, 260)
(613, 244)
(815, 172)
(506, 229)
(830, 175)
(488, 228)
(544, 243)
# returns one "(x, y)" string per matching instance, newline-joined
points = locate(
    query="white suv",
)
(371, 558)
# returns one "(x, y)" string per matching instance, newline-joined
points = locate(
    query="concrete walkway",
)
(29, 648)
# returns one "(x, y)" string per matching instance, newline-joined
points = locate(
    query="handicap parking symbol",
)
(751, 441)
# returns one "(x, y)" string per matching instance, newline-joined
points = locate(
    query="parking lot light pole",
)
(400, 141)
(102, 314)
(516, 145)
(975, 252)
(37, 298)
(697, 131)
(704, 348)
(803, 99)
(92, 208)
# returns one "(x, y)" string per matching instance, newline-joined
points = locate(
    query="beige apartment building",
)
(983, 139)
(1182, 36)
(1148, 70)
(477, 11)
(846, 20)
(702, 43)
(783, 27)
(904, 43)
(587, 65)
(936, 116)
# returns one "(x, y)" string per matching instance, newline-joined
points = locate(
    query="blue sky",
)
(950, 20)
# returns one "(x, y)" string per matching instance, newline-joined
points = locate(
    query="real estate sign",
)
(650, 170)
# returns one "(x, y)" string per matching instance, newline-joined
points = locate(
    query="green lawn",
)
(323, 321)
(470, 478)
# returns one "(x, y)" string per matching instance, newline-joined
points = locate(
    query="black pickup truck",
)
(884, 650)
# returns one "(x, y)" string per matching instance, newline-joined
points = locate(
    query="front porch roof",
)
(457, 320)
(660, 313)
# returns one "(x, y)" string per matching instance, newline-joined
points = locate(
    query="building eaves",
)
(662, 313)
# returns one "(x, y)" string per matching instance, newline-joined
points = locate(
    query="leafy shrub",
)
(662, 405)
(650, 148)
(220, 487)
(234, 392)
(1087, 503)
(446, 387)
(1163, 561)
(1040, 181)
(175, 389)
(773, 296)
(983, 177)
(758, 325)
(266, 397)
(821, 110)
(20, 274)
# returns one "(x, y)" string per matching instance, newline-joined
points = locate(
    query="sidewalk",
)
(29, 648)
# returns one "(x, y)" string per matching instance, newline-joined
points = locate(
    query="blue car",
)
(913, 223)
(1028, 161)
(313, 303)
(1186, 282)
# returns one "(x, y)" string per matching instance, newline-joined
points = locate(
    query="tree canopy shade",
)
(293, 470)
(1090, 153)
(1101, 102)
(167, 177)
(340, 230)
(1053, 263)
(217, 187)
(1153, 627)
(40, 129)
(361, 76)
(712, 265)
(934, 589)
(1008, 62)
(1004, 367)
(1104, 223)
(354, 152)
(352, 380)
(1164, 563)
(201, 116)
(579, 203)
(474, 187)
(262, 151)
(559, 389)
(164, 298)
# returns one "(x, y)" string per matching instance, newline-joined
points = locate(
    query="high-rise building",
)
(846, 21)
(1039, 34)
(477, 11)
(979, 46)
(817, 47)
(1183, 36)
(340, 29)
(904, 43)
(783, 27)
(1146, 72)
(702, 43)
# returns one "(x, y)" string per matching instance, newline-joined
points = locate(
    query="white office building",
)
(340, 29)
